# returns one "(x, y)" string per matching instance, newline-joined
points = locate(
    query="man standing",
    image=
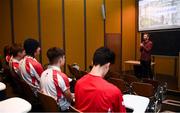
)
(93, 93)
(145, 49)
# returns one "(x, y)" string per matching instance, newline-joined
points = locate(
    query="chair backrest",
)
(73, 109)
(72, 70)
(119, 83)
(155, 83)
(130, 78)
(80, 74)
(113, 74)
(77, 73)
(143, 89)
(48, 103)
(29, 94)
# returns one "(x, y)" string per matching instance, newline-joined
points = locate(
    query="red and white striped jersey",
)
(14, 67)
(54, 83)
(31, 71)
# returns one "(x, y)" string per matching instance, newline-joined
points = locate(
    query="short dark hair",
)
(146, 34)
(7, 50)
(54, 54)
(30, 46)
(15, 49)
(103, 56)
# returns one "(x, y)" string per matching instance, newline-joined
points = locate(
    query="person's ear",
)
(107, 65)
(60, 60)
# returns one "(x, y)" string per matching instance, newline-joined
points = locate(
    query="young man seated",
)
(54, 82)
(18, 53)
(29, 67)
(93, 93)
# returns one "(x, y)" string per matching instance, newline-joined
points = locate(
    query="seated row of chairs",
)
(39, 101)
(152, 89)
(52, 105)
(126, 83)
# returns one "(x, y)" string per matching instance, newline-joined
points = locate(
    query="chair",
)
(112, 74)
(73, 109)
(146, 90)
(143, 89)
(130, 79)
(80, 74)
(155, 83)
(76, 73)
(28, 93)
(48, 103)
(72, 70)
(119, 83)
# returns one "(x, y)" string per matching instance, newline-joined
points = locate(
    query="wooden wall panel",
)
(128, 31)
(25, 19)
(113, 42)
(113, 16)
(94, 28)
(74, 32)
(51, 26)
(113, 30)
(165, 65)
(5, 24)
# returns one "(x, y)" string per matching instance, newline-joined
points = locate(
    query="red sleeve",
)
(119, 104)
(76, 95)
(65, 78)
(15, 66)
(39, 69)
(37, 66)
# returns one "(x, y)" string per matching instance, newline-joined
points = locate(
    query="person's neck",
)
(56, 65)
(30, 56)
(17, 58)
(97, 71)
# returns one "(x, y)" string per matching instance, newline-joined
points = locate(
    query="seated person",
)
(7, 53)
(54, 82)
(29, 67)
(93, 93)
(17, 54)
(5, 60)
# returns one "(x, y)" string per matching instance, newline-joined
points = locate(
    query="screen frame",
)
(155, 30)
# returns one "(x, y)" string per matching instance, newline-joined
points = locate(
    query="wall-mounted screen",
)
(158, 14)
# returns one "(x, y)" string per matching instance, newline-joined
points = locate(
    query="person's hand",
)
(141, 45)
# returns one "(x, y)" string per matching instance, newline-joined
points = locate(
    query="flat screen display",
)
(158, 14)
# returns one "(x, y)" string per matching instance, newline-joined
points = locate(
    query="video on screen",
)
(159, 14)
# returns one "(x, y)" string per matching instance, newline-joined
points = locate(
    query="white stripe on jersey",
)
(48, 87)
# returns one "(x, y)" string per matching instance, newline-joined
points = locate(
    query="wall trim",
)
(63, 30)
(39, 28)
(104, 22)
(136, 29)
(12, 21)
(121, 22)
(85, 37)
